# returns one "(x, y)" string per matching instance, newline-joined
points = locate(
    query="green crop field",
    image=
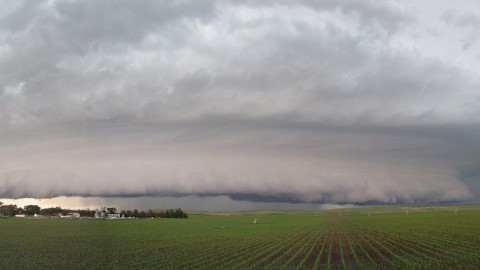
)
(365, 238)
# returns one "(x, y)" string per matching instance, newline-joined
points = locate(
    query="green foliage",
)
(172, 213)
(31, 210)
(9, 210)
(51, 211)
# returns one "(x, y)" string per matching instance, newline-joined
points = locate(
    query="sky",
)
(239, 104)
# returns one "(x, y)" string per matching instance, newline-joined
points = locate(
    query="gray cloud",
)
(470, 20)
(310, 102)
(301, 164)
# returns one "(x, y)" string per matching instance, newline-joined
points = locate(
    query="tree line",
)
(170, 213)
(10, 210)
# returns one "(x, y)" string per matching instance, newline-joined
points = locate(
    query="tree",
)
(173, 213)
(31, 210)
(180, 214)
(52, 211)
(9, 210)
(86, 213)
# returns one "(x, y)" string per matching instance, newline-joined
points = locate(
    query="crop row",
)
(341, 245)
(387, 241)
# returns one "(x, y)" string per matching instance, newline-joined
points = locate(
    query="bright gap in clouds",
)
(189, 203)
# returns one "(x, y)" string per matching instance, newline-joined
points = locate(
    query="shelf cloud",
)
(308, 102)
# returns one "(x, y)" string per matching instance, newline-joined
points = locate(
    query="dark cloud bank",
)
(312, 102)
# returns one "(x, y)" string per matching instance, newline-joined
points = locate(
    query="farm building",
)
(113, 216)
(73, 215)
(99, 213)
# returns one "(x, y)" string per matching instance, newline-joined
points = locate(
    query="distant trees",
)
(173, 213)
(30, 210)
(170, 213)
(85, 212)
(9, 210)
(53, 211)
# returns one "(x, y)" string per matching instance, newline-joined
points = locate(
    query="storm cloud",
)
(306, 102)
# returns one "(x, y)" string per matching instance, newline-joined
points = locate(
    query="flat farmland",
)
(366, 238)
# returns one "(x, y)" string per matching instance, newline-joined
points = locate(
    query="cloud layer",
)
(318, 101)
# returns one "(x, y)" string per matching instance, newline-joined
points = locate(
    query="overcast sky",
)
(306, 102)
